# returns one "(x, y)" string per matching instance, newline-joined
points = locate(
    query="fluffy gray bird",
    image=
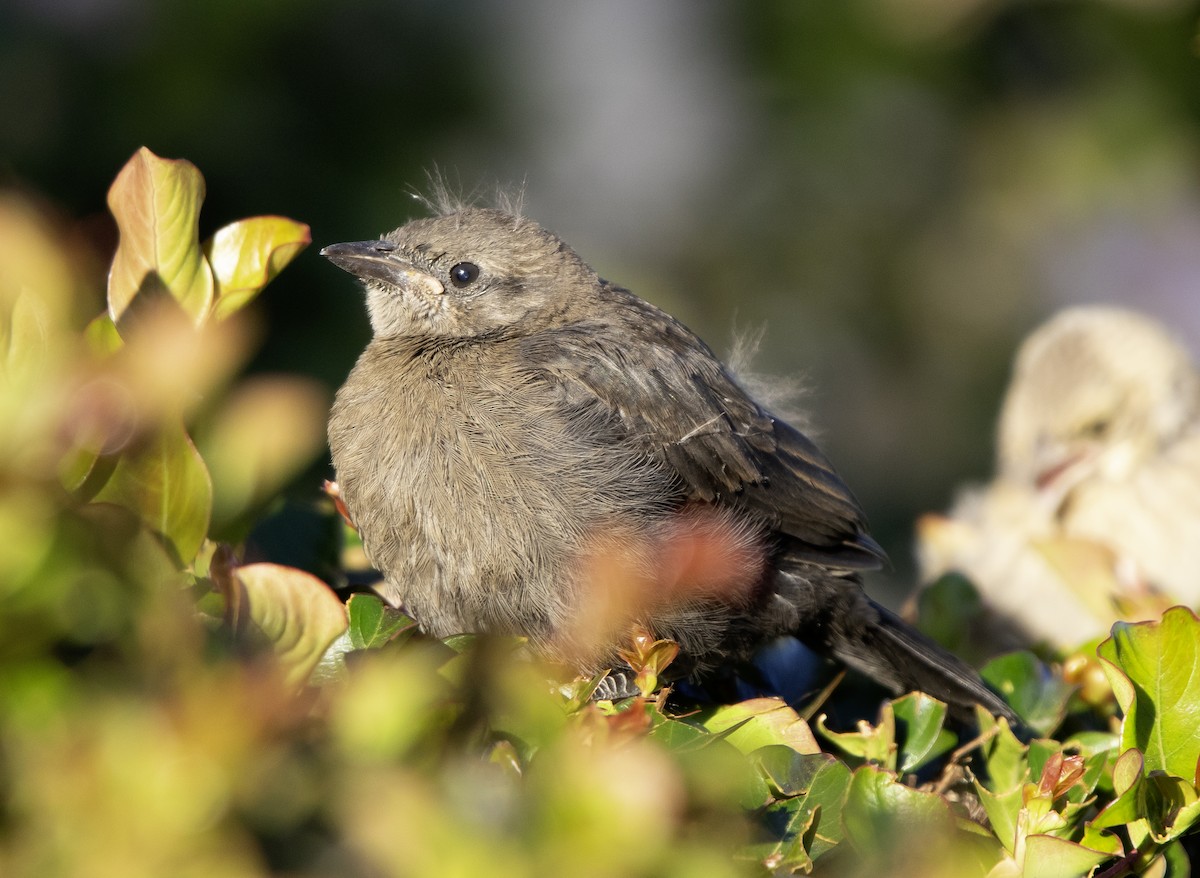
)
(1098, 444)
(514, 415)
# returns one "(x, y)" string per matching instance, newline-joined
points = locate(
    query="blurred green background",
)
(896, 190)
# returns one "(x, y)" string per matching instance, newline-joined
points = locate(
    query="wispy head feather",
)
(444, 196)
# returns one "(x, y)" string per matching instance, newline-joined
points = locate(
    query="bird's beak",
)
(377, 260)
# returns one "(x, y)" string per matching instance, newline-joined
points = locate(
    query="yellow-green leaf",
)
(875, 744)
(1047, 856)
(298, 613)
(101, 335)
(880, 811)
(246, 255)
(268, 428)
(1002, 810)
(156, 203)
(165, 483)
(1154, 669)
(761, 722)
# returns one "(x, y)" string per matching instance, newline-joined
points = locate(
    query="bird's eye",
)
(463, 273)
(1095, 429)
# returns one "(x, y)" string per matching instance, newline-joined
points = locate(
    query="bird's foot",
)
(617, 684)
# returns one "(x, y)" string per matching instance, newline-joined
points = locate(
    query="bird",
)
(1094, 509)
(521, 436)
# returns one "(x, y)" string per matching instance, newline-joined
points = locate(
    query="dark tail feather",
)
(917, 663)
(839, 620)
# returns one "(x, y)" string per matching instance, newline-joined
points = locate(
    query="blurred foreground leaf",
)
(299, 614)
(165, 483)
(268, 429)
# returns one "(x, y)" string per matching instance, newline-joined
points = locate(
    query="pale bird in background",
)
(1094, 514)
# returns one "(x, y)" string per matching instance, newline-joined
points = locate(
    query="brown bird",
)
(1094, 513)
(516, 421)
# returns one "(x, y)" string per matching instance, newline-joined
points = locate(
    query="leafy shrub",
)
(166, 709)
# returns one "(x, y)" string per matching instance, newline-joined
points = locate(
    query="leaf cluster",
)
(169, 707)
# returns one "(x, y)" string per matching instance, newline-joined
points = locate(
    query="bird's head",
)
(463, 274)
(1095, 392)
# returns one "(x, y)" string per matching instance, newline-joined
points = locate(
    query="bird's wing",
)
(668, 392)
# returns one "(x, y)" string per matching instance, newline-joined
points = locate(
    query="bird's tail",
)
(842, 622)
(920, 664)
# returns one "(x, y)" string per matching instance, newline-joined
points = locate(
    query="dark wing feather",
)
(670, 393)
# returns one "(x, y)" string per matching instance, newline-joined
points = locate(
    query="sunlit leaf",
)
(920, 726)
(1003, 810)
(875, 744)
(34, 348)
(879, 811)
(26, 329)
(1127, 779)
(299, 614)
(101, 335)
(246, 255)
(1049, 857)
(372, 622)
(156, 203)
(1172, 805)
(809, 818)
(1003, 753)
(1154, 669)
(165, 483)
(761, 722)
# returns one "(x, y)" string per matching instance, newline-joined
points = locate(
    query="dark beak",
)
(376, 260)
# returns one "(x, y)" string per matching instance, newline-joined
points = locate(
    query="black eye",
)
(463, 273)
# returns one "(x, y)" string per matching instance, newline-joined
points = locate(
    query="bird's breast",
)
(474, 487)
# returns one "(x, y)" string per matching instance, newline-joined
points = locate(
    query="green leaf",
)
(267, 429)
(156, 203)
(1172, 806)
(875, 744)
(681, 736)
(165, 483)
(1098, 750)
(817, 785)
(794, 826)
(947, 610)
(922, 737)
(1003, 754)
(761, 722)
(1126, 807)
(101, 335)
(246, 255)
(298, 613)
(1040, 697)
(1002, 810)
(880, 812)
(1154, 669)
(1049, 857)
(25, 335)
(372, 622)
